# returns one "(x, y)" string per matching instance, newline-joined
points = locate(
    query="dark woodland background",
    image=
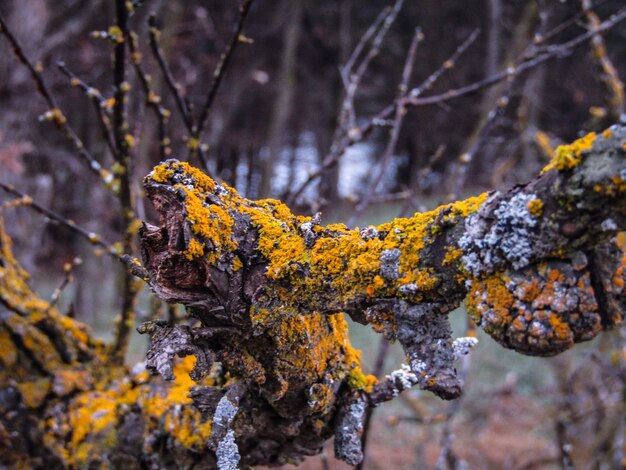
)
(273, 123)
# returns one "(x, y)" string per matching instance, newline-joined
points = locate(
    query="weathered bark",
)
(541, 267)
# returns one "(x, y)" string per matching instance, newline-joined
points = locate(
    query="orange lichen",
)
(93, 417)
(616, 187)
(194, 250)
(342, 259)
(34, 391)
(542, 311)
(500, 300)
(569, 156)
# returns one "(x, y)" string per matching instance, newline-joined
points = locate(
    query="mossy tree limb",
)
(269, 374)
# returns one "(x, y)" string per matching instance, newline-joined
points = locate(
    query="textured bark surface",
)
(268, 373)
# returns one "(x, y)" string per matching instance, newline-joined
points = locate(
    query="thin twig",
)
(157, 52)
(558, 50)
(34, 72)
(351, 77)
(447, 458)
(99, 102)
(574, 20)
(54, 113)
(68, 268)
(565, 448)
(347, 132)
(346, 70)
(152, 99)
(196, 128)
(447, 65)
(608, 73)
(394, 134)
(93, 238)
(222, 66)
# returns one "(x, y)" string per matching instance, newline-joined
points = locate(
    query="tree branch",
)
(525, 259)
(274, 375)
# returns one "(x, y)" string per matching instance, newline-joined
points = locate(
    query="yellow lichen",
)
(194, 250)
(338, 260)
(93, 417)
(535, 207)
(162, 173)
(237, 263)
(8, 351)
(569, 156)
(211, 222)
(452, 254)
(34, 392)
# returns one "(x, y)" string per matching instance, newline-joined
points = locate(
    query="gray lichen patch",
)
(507, 240)
(348, 433)
(225, 412)
(227, 452)
(390, 264)
(425, 334)
(369, 233)
(402, 379)
(222, 438)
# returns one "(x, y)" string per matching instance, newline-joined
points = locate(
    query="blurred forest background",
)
(288, 121)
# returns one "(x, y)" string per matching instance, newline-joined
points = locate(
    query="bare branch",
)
(222, 66)
(152, 99)
(99, 102)
(608, 73)
(124, 140)
(54, 113)
(394, 134)
(174, 87)
(93, 238)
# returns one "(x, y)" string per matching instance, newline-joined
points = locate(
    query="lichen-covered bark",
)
(268, 373)
(538, 262)
(63, 406)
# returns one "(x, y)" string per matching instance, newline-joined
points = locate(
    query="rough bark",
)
(274, 375)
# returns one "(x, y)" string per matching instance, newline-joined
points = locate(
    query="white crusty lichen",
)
(227, 452)
(224, 412)
(403, 379)
(507, 240)
(461, 346)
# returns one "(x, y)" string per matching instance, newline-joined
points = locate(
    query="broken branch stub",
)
(540, 265)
